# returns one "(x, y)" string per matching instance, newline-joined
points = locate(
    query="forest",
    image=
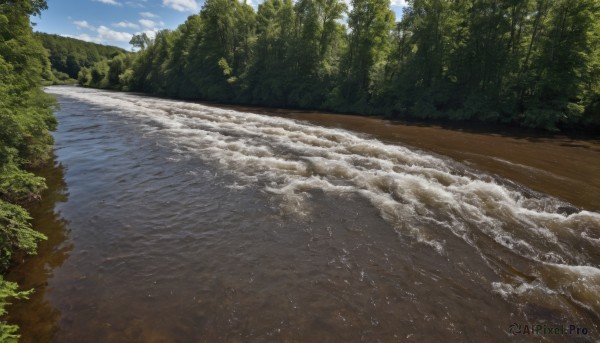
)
(26, 118)
(531, 63)
(69, 55)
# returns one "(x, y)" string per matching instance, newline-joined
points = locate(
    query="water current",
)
(172, 221)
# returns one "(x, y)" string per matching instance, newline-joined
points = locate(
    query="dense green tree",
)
(220, 51)
(370, 23)
(554, 89)
(268, 77)
(314, 53)
(116, 67)
(69, 55)
(140, 41)
(177, 79)
(25, 142)
(149, 70)
(496, 61)
(533, 63)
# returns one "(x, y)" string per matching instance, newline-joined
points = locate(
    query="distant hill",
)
(68, 55)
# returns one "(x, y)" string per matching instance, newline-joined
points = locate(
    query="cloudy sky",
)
(113, 22)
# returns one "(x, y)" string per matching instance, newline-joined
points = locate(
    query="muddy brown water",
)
(171, 221)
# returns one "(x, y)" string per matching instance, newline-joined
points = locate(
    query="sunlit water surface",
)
(170, 221)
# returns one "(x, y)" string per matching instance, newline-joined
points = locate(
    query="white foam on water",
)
(506, 290)
(590, 239)
(556, 282)
(418, 193)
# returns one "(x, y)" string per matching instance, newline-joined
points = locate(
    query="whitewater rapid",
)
(418, 193)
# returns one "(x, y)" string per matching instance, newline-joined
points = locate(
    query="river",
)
(172, 221)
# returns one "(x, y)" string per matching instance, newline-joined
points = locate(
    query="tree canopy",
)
(533, 63)
(68, 55)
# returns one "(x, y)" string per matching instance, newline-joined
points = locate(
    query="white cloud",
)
(110, 2)
(126, 24)
(181, 5)
(150, 33)
(147, 23)
(148, 15)
(401, 3)
(394, 3)
(82, 24)
(84, 37)
(134, 4)
(254, 3)
(106, 34)
(150, 24)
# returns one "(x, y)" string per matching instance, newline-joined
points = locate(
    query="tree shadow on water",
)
(36, 317)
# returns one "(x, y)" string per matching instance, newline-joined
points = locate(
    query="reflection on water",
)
(37, 316)
(191, 223)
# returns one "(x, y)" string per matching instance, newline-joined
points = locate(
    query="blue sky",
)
(113, 22)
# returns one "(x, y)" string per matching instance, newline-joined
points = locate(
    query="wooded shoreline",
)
(532, 63)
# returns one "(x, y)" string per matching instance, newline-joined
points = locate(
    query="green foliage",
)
(8, 332)
(296, 55)
(221, 49)
(140, 41)
(370, 23)
(70, 55)
(26, 119)
(16, 232)
(19, 186)
(271, 73)
(533, 63)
